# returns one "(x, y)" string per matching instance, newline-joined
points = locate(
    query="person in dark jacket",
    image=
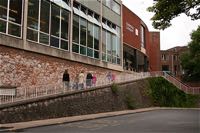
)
(89, 80)
(66, 80)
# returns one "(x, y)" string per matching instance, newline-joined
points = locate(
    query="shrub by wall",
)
(164, 93)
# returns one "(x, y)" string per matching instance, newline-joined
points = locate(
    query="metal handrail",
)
(30, 92)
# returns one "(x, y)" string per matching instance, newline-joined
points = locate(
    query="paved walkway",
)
(31, 124)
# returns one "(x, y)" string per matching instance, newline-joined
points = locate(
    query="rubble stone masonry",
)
(20, 68)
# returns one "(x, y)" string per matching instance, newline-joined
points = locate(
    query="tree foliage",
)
(190, 60)
(166, 10)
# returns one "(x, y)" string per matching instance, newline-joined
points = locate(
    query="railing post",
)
(25, 93)
(12, 98)
(36, 92)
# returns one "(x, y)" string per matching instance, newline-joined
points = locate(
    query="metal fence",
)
(181, 85)
(31, 92)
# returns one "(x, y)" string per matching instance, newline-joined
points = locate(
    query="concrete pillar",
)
(121, 37)
(71, 27)
(101, 31)
(24, 26)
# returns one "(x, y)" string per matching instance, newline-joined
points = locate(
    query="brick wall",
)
(154, 52)
(22, 68)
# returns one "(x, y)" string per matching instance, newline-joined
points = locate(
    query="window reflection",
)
(76, 29)
(15, 11)
(3, 9)
(11, 24)
(55, 20)
(64, 24)
(44, 16)
(33, 12)
(90, 35)
(83, 28)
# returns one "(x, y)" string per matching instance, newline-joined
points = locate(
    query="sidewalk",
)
(31, 124)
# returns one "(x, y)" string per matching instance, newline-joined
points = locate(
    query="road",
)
(158, 121)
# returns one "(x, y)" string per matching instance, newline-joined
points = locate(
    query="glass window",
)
(108, 44)
(108, 58)
(96, 37)
(11, 24)
(64, 24)
(44, 38)
(33, 10)
(116, 7)
(82, 50)
(114, 43)
(2, 26)
(90, 52)
(104, 41)
(55, 42)
(14, 30)
(96, 54)
(44, 16)
(15, 11)
(83, 28)
(55, 20)
(114, 60)
(66, 1)
(90, 35)
(3, 9)
(75, 48)
(108, 3)
(64, 44)
(104, 56)
(118, 47)
(76, 29)
(32, 35)
(142, 37)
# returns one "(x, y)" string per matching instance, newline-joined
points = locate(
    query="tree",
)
(190, 61)
(166, 10)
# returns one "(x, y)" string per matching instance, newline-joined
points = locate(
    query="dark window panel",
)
(82, 50)
(3, 9)
(76, 29)
(64, 24)
(44, 16)
(90, 35)
(44, 38)
(15, 11)
(33, 10)
(55, 20)
(14, 30)
(75, 48)
(90, 52)
(83, 26)
(96, 54)
(64, 45)
(32, 35)
(2, 26)
(55, 42)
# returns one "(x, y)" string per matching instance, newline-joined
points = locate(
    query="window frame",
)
(7, 21)
(59, 37)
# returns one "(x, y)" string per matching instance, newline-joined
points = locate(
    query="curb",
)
(32, 124)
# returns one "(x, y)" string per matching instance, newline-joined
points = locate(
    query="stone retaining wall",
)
(77, 103)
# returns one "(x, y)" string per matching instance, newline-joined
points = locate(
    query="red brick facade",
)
(154, 52)
(131, 22)
(170, 60)
(132, 37)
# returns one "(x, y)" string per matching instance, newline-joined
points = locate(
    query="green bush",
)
(115, 88)
(166, 94)
(130, 102)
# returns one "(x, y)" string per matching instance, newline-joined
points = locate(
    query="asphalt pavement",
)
(152, 120)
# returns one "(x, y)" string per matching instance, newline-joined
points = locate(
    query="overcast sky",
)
(176, 35)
